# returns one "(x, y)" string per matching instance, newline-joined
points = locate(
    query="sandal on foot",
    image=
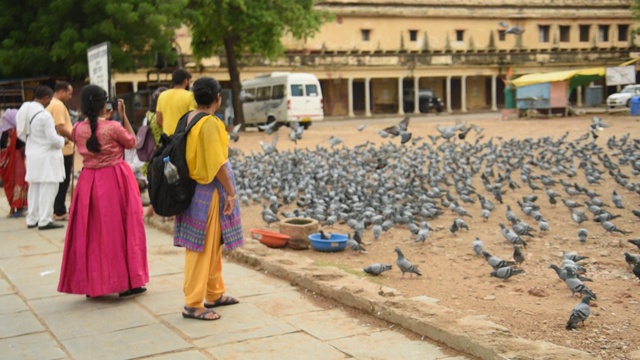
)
(224, 300)
(191, 314)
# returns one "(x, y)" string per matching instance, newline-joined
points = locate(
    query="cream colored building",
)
(376, 52)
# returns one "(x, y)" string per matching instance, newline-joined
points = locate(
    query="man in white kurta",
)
(45, 164)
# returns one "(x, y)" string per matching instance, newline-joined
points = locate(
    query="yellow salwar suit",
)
(206, 152)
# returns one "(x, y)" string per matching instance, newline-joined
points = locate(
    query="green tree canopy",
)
(51, 37)
(248, 27)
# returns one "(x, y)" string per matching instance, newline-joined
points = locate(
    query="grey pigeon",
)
(635, 242)
(506, 272)
(478, 246)
(361, 127)
(511, 236)
(377, 269)
(234, 134)
(495, 261)
(355, 245)
(580, 313)
(631, 259)
(404, 265)
(518, 256)
(582, 235)
(609, 227)
(573, 256)
(562, 273)
(576, 285)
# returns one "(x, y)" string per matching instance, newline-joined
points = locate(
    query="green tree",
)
(51, 37)
(246, 28)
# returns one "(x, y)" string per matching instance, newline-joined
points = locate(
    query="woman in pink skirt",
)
(105, 249)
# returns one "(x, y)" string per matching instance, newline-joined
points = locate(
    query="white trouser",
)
(41, 197)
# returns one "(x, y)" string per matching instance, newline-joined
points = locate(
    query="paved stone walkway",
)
(273, 321)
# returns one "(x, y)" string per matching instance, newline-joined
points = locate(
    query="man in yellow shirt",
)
(63, 92)
(175, 102)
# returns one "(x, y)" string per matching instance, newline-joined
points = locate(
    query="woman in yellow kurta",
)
(213, 218)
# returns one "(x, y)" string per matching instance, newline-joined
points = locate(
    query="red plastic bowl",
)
(271, 239)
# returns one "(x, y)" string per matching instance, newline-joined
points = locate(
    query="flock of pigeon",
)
(376, 187)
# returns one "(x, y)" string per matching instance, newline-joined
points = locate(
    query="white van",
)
(282, 97)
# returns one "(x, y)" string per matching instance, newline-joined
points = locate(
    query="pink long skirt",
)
(105, 249)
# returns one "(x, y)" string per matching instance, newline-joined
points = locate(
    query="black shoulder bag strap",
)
(33, 117)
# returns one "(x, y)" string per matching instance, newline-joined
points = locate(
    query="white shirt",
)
(43, 144)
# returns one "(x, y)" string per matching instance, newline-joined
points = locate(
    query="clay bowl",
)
(271, 239)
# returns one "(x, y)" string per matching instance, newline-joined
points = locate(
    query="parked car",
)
(427, 101)
(623, 98)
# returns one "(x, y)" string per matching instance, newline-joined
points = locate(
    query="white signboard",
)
(621, 75)
(99, 57)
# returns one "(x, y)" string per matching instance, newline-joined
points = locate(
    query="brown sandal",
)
(191, 314)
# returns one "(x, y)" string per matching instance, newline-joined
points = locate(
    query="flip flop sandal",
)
(191, 314)
(132, 292)
(224, 300)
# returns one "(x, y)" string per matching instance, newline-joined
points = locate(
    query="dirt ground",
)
(535, 305)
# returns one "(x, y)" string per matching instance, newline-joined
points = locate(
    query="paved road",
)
(273, 320)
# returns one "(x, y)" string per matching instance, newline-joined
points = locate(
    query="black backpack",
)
(161, 193)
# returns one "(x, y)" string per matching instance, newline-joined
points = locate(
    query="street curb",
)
(471, 334)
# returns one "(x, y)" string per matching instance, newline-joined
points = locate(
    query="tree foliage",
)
(243, 28)
(51, 37)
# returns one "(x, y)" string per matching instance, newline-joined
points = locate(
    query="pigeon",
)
(609, 227)
(495, 261)
(269, 128)
(478, 247)
(234, 135)
(597, 123)
(580, 313)
(631, 259)
(355, 245)
(635, 242)
(506, 272)
(362, 127)
(404, 265)
(573, 256)
(377, 269)
(617, 200)
(576, 285)
(511, 236)
(579, 216)
(518, 257)
(562, 273)
(582, 235)
(636, 270)
(324, 235)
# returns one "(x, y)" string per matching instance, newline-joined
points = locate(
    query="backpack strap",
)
(182, 123)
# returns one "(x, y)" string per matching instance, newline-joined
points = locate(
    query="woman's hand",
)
(121, 107)
(229, 205)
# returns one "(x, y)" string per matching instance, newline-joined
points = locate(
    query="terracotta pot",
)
(299, 229)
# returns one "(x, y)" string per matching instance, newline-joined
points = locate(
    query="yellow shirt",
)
(207, 149)
(61, 117)
(174, 103)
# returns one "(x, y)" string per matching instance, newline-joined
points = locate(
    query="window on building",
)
(501, 35)
(565, 32)
(413, 35)
(543, 31)
(459, 35)
(603, 33)
(366, 34)
(278, 92)
(623, 32)
(584, 33)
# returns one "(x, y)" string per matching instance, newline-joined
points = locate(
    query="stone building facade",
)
(376, 54)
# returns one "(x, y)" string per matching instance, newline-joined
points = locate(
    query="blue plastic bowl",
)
(337, 242)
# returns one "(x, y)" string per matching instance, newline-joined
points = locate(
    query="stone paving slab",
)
(41, 346)
(283, 303)
(22, 243)
(304, 346)
(20, 323)
(95, 321)
(241, 322)
(11, 304)
(6, 288)
(396, 346)
(64, 303)
(329, 324)
(125, 344)
(182, 355)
